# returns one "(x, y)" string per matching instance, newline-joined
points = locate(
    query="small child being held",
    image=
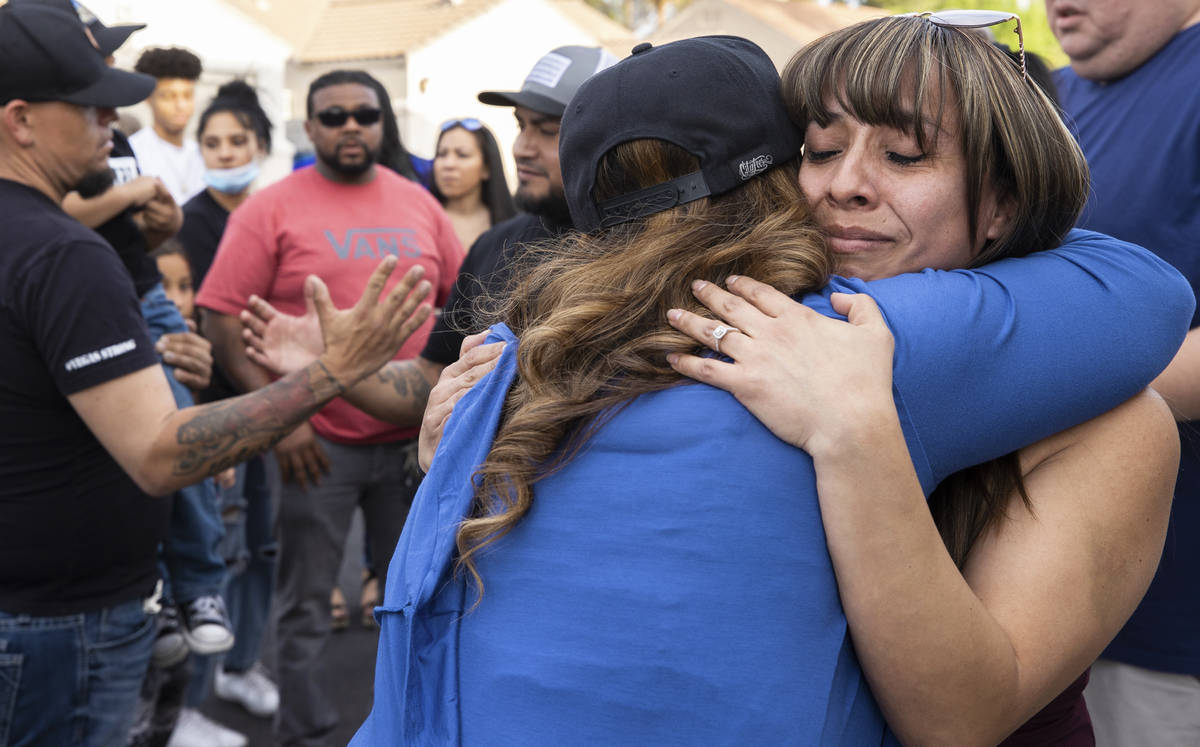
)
(176, 277)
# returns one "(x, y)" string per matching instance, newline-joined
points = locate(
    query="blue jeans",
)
(193, 563)
(250, 552)
(73, 679)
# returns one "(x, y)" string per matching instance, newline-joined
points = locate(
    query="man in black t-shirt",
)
(135, 213)
(399, 391)
(88, 426)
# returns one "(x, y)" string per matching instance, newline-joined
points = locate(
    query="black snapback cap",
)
(717, 97)
(47, 56)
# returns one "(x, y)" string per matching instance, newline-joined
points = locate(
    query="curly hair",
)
(169, 62)
(591, 316)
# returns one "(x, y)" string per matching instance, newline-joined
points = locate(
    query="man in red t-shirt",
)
(335, 220)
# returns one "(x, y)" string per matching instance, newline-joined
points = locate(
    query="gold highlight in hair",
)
(897, 72)
(591, 313)
(901, 70)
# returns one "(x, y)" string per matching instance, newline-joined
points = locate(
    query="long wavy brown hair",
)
(884, 70)
(590, 311)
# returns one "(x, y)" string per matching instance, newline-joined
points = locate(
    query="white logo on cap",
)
(549, 70)
(754, 166)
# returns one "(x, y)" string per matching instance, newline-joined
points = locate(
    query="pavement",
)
(349, 667)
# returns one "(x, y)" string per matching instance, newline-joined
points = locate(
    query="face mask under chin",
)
(232, 181)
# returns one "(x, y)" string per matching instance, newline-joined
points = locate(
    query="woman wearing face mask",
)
(468, 179)
(234, 134)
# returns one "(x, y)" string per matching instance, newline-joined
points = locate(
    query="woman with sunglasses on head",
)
(468, 179)
(638, 562)
(969, 616)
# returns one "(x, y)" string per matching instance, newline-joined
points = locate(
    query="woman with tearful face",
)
(969, 616)
(638, 561)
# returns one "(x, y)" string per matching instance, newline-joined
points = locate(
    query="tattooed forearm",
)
(397, 393)
(407, 381)
(226, 433)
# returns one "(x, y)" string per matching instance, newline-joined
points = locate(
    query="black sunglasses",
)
(336, 116)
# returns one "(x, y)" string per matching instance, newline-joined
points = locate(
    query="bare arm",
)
(98, 210)
(163, 449)
(168, 448)
(300, 456)
(225, 333)
(1040, 595)
(1179, 385)
(398, 392)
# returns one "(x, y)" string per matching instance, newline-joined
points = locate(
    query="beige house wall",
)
(494, 51)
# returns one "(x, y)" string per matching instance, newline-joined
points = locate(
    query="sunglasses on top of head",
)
(336, 116)
(976, 19)
(470, 124)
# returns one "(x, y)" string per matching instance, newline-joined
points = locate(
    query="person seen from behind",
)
(582, 444)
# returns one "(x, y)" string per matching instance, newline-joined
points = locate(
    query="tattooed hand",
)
(360, 340)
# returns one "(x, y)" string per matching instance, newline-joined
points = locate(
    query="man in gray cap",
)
(88, 428)
(401, 389)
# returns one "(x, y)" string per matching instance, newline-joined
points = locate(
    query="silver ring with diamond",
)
(720, 333)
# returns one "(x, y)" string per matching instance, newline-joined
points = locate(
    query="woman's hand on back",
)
(810, 378)
(475, 361)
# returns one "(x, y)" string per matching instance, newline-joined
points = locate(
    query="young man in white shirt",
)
(161, 149)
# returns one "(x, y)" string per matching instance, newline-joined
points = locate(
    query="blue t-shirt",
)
(1141, 136)
(671, 584)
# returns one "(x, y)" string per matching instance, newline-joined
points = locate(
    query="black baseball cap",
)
(717, 97)
(47, 56)
(110, 38)
(553, 80)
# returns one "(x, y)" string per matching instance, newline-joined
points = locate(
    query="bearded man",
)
(336, 220)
